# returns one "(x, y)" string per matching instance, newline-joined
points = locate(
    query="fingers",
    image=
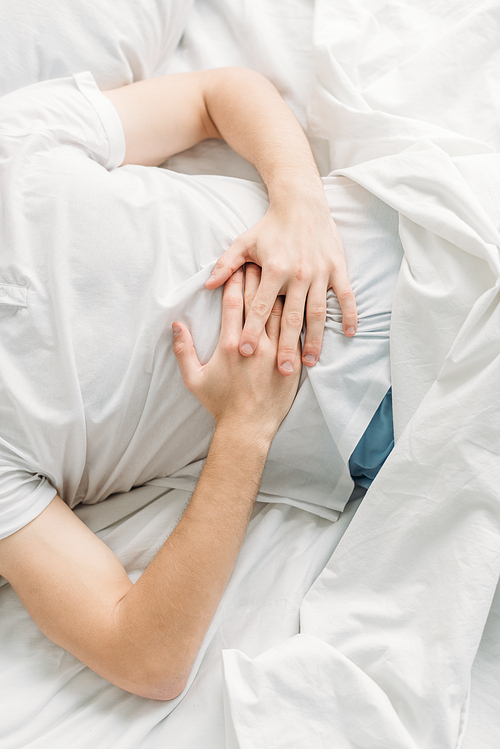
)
(186, 356)
(232, 309)
(252, 281)
(291, 325)
(233, 258)
(339, 282)
(259, 311)
(315, 318)
(273, 325)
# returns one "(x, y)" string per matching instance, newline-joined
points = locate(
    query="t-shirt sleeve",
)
(64, 111)
(23, 496)
(108, 116)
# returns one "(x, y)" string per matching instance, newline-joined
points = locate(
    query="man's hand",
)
(247, 392)
(144, 637)
(301, 254)
(296, 243)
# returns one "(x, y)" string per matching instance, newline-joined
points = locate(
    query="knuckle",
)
(253, 337)
(300, 273)
(251, 254)
(232, 302)
(277, 309)
(236, 272)
(338, 260)
(293, 319)
(230, 346)
(312, 345)
(261, 309)
(317, 312)
(288, 350)
(345, 294)
(275, 270)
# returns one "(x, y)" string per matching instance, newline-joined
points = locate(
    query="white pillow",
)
(119, 41)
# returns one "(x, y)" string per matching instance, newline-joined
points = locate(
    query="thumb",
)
(233, 258)
(186, 356)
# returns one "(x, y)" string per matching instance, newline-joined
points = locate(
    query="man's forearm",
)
(145, 637)
(254, 120)
(163, 618)
(171, 113)
(296, 243)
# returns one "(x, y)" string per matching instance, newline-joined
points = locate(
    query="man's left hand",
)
(301, 255)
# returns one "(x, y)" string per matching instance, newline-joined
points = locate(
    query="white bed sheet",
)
(49, 699)
(417, 571)
(387, 77)
(391, 627)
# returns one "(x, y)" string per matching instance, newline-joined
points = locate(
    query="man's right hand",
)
(144, 637)
(247, 392)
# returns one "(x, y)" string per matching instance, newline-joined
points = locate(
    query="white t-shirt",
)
(96, 263)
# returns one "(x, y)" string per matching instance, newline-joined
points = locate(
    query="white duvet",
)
(391, 627)
(392, 642)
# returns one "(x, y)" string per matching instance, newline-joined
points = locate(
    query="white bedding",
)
(375, 647)
(391, 627)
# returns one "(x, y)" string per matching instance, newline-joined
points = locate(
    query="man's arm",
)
(296, 243)
(144, 637)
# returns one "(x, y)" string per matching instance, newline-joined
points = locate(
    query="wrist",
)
(248, 437)
(292, 195)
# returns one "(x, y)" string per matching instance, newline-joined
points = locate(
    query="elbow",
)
(162, 691)
(153, 683)
(144, 663)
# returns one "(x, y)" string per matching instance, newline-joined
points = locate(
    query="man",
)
(72, 413)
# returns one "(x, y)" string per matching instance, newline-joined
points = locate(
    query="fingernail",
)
(287, 366)
(247, 348)
(309, 358)
(350, 331)
(176, 331)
